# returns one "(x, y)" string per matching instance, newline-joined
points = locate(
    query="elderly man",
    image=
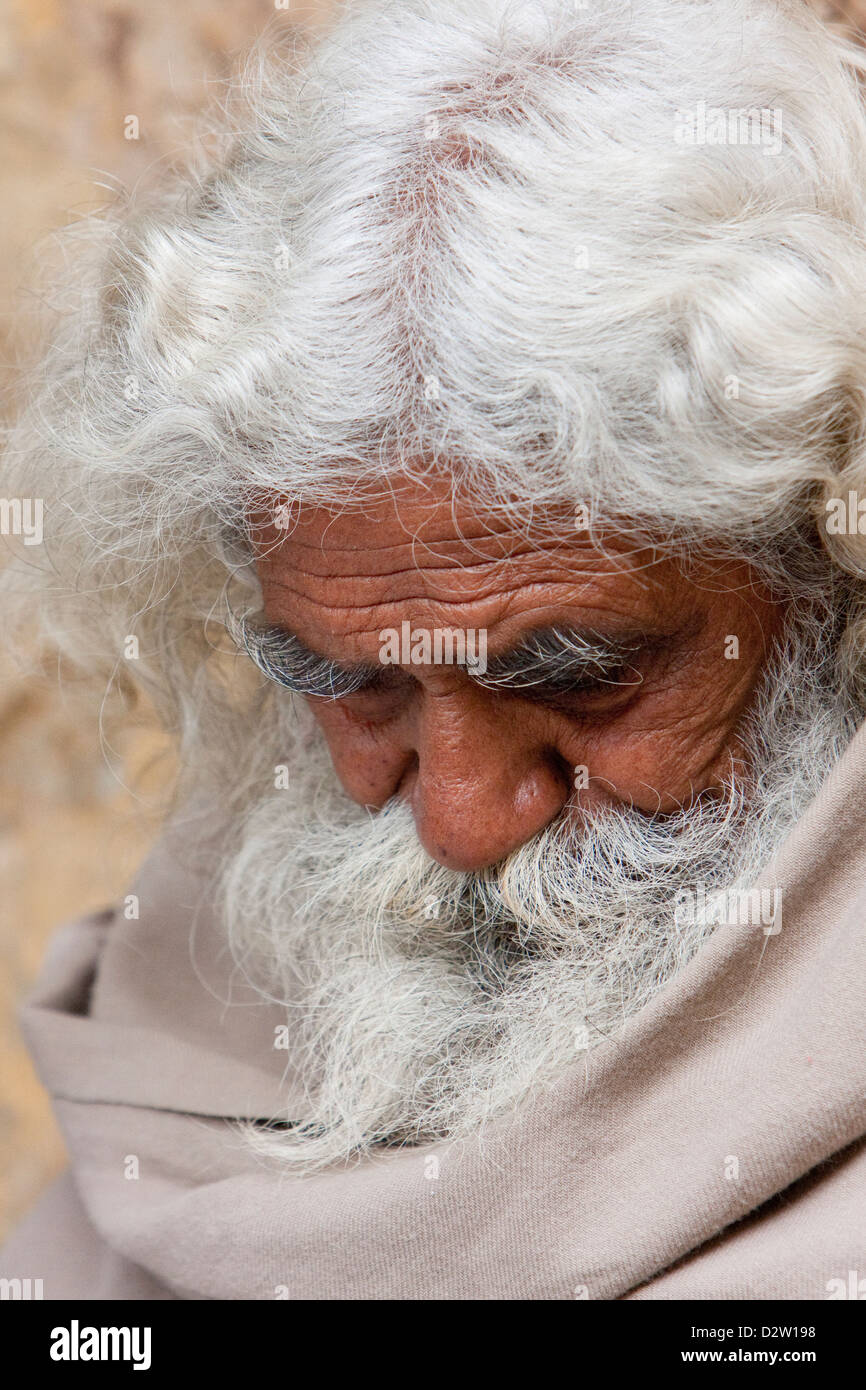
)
(466, 465)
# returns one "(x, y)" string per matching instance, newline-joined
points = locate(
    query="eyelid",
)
(326, 681)
(615, 680)
(579, 662)
(328, 685)
(606, 675)
(369, 680)
(561, 689)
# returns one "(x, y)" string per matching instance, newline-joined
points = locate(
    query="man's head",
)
(502, 885)
(482, 907)
(533, 324)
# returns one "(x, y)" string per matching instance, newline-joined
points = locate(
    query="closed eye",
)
(615, 687)
(557, 667)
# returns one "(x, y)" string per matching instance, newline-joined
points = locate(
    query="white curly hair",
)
(464, 233)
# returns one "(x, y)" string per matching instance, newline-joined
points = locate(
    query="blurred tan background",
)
(74, 821)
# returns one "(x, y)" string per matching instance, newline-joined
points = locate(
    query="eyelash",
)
(322, 678)
(611, 685)
(616, 677)
(377, 683)
(613, 692)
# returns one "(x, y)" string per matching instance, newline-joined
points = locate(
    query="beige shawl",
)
(713, 1148)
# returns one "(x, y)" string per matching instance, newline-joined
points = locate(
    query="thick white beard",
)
(422, 1002)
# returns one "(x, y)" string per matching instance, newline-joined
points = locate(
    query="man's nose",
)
(486, 780)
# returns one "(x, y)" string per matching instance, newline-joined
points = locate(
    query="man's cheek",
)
(655, 774)
(657, 755)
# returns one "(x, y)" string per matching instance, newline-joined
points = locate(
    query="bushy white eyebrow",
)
(283, 658)
(557, 659)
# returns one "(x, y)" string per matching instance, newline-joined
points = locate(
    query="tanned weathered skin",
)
(485, 771)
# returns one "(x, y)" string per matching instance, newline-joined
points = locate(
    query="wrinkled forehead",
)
(434, 523)
(427, 549)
